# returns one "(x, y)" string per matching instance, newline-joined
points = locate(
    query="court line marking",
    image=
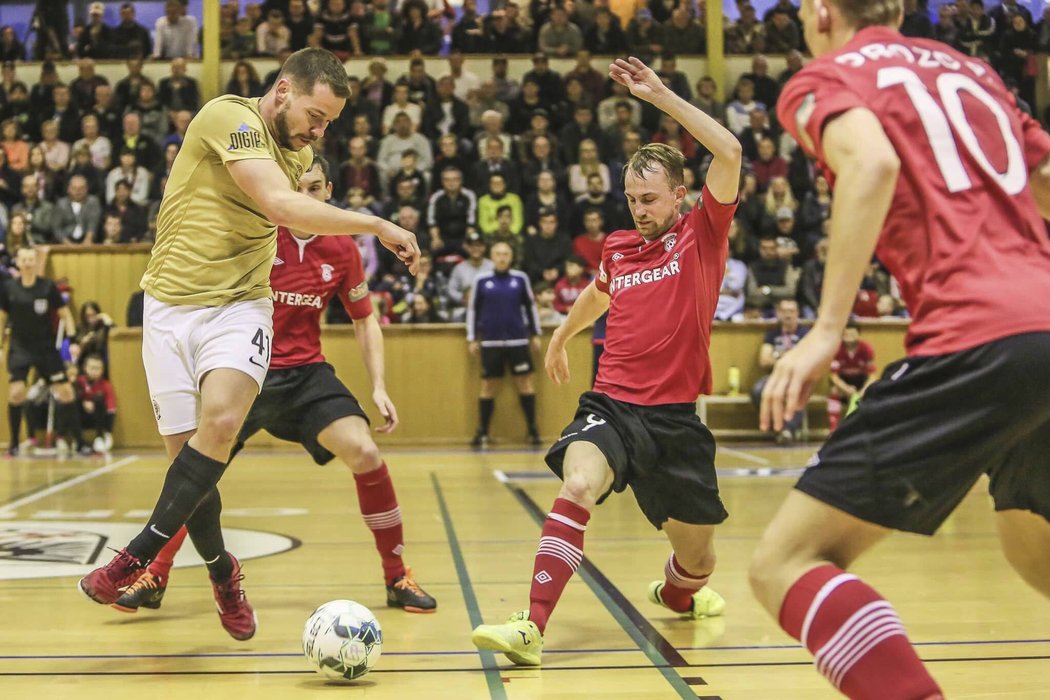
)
(630, 667)
(68, 483)
(743, 455)
(296, 655)
(488, 660)
(661, 653)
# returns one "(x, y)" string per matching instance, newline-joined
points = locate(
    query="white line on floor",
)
(742, 455)
(62, 486)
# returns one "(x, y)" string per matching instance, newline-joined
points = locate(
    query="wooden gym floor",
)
(470, 539)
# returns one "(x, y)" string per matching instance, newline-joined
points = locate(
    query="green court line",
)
(657, 657)
(488, 660)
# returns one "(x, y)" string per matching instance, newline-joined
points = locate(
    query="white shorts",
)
(180, 344)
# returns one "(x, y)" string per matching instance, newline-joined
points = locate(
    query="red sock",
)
(834, 413)
(379, 510)
(161, 564)
(559, 555)
(857, 639)
(680, 586)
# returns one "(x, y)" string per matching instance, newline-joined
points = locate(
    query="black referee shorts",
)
(664, 453)
(45, 359)
(931, 426)
(297, 403)
(495, 361)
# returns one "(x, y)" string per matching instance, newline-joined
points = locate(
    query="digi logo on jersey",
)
(244, 137)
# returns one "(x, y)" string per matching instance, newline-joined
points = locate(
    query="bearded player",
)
(303, 401)
(208, 314)
(638, 427)
(939, 173)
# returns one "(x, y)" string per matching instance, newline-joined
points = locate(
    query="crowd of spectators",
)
(463, 159)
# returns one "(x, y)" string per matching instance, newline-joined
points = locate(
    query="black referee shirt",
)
(30, 311)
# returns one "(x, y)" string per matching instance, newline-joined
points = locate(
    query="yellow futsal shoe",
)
(706, 603)
(519, 639)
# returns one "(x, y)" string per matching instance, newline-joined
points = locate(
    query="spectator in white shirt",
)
(175, 34)
(400, 104)
(138, 177)
(272, 36)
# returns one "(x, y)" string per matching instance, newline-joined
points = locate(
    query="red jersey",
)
(306, 275)
(963, 236)
(664, 293)
(93, 391)
(859, 364)
(566, 292)
(590, 251)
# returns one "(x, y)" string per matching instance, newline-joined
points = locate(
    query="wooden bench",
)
(703, 402)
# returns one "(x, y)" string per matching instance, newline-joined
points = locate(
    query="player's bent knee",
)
(580, 490)
(220, 428)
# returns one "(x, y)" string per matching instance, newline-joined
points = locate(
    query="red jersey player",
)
(852, 369)
(638, 427)
(940, 174)
(303, 401)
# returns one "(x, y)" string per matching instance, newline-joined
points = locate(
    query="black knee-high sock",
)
(67, 421)
(486, 407)
(190, 477)
(528, 407)
(14, 423)
(206, 534)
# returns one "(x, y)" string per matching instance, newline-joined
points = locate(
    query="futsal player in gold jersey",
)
(208, 310)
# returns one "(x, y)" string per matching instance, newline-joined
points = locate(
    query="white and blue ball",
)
(342, 640)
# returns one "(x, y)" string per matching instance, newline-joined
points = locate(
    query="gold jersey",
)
(214, 245)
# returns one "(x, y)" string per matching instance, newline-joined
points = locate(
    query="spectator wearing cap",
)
(605, 37)
(175, 33)
(96, 39)
(683, 35)
(178, 91)
(552, 89)
(644, 36)
(560, 37)
(130, 39)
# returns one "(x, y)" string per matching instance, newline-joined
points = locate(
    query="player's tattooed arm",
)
(723, 177)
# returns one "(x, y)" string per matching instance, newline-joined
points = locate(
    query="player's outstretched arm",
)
(866, 166)
(723, 177)
(1040, 183)
(370, 339)
(263, 181)
(587, 309)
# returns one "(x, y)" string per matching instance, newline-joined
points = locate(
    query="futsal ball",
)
(342, 640)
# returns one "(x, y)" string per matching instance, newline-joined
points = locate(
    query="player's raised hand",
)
(556, 363)
(401, 243)
(794, 375)
(640, 79)
(387, 410)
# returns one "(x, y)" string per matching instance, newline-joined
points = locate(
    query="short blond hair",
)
(654, 157)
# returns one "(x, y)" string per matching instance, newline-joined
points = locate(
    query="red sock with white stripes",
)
(858, 641)
(379, 510)
(161, 564)
(559, 555)
(680, 585)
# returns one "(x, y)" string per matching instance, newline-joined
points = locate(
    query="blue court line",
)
(488, 659)
(278, 655)
(661, 653)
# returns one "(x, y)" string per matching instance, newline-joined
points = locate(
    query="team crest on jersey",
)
(617, 256)
(326, 272)
(40, 306)
(278, 261)
(670, 241)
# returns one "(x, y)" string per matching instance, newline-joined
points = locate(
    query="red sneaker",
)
(103, 585)
(235, 612)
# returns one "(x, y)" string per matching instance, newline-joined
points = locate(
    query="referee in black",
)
(31, 303)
